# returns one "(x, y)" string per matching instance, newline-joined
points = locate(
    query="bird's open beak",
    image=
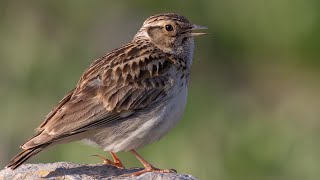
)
(195, 28)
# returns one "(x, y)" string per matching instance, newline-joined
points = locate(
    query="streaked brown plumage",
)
(140, 78)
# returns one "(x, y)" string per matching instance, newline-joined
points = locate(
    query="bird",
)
(128, 98)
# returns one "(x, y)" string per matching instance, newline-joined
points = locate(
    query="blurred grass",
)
(253, 108)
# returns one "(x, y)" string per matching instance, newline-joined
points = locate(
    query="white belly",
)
(148, 128)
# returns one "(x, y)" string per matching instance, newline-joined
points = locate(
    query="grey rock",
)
(72, 171)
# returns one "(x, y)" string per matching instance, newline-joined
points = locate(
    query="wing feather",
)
(113, 88)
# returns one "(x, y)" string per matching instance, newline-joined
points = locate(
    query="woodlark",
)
(128, 98)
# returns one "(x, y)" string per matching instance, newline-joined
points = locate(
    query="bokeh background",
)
(254, 103)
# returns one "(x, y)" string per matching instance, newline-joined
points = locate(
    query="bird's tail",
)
(25, 155)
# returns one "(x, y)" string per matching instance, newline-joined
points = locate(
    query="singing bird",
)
(130, 97)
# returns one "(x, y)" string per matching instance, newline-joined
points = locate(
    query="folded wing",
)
(113, 88)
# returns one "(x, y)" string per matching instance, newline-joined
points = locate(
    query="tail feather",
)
(24, 155)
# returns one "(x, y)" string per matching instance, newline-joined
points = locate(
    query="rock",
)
(72, 171)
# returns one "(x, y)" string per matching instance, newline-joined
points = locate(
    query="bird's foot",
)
(116, 161)
(151, 169)
(147, 166)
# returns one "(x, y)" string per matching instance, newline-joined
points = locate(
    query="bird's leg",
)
(116, 161)
(147, 166)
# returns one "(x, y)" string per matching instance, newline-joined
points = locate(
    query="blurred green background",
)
(254, 101)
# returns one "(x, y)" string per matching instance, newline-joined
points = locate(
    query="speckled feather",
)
(124, 96)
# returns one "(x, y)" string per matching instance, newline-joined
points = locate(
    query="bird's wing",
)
(114, 87)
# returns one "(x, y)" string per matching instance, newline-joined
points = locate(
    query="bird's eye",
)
(169, 27)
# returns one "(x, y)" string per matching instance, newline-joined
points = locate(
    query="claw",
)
(116, 161)
(147, 167)
(151, 169)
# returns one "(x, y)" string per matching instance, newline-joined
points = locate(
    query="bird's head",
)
(170, 32)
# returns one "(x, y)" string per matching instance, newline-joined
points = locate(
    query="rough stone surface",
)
(72, 171)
